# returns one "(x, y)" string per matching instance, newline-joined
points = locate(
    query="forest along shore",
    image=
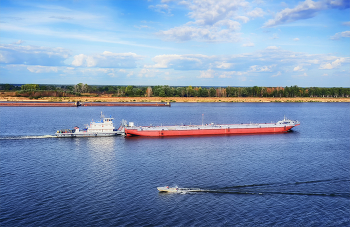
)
(176, 99)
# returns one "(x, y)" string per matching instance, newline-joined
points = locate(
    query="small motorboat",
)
(167, 189)
(179, 190)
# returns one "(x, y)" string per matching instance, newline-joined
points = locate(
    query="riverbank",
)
(176, 99)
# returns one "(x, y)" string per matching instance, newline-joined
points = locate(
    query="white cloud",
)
(162, 61)
(19, 42)
(79, 60)
(244, 19)
(230, 74)
(298, 68)
(112, 75)
(332, 65)
(271, 48)
(257, 12)
(33, 55)
(345, 34)
(107, 59)
(305, 10)
(207, 74)
(256, 68)
(226, 75)
(272, 60)
(213, 21)
(203, 34)
(208, 12)
(161, 8)
(190, 61)
(147, 73)
(277, 74)
(112, 72)
(240, 73)
(296, 39)
(141, 26)
(346, 23)
(326, 66)
(42, 69)
(2, 58)
(248, 44)
(72, 71)
(223, 65)
(315, 61)
(185, 33)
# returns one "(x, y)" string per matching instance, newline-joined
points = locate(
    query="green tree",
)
(212, 92)
(162, 93)
(129, 91)
(29, 87)
(256, 91)
(244, 92)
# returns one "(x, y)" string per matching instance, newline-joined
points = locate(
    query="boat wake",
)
(345, 195)
(26, 137)
(286, 183)
(272, 189)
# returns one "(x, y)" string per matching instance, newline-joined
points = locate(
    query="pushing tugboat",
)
(104, 127)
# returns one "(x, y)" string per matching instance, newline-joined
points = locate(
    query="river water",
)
(301, 178)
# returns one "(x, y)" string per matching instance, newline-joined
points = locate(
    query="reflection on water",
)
(101, 143)
(101, 150)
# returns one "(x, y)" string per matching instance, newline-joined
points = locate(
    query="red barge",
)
(210, 129)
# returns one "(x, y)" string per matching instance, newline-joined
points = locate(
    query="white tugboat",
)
(104, 127)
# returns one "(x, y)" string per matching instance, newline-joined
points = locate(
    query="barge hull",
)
(31, 104)
(126, 104)
(199, 132)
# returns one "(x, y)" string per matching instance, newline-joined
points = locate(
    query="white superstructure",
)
(104, 127)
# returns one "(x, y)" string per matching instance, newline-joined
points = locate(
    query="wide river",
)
(301, 178)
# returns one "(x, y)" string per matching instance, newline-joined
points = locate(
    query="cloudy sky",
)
(176, 42)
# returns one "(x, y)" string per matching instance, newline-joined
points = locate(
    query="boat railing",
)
(66, 131)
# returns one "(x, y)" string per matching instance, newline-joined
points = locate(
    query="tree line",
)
(173, 91)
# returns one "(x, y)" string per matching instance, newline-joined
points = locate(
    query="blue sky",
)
(177, 43)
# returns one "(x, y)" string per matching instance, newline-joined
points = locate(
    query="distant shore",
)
(177, 99)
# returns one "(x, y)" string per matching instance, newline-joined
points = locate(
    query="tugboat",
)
(104, 127)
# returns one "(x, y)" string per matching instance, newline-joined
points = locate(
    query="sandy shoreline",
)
(177, 99)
